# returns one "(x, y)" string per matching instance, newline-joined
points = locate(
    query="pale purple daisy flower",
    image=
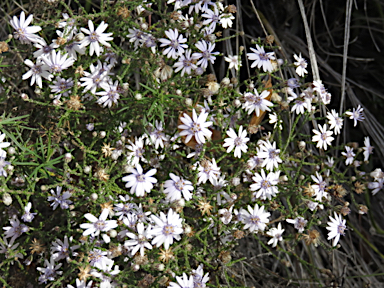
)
(98, 225)
(49, 271)
(265, 185)
(168, 227)
(28, 216)
(61, 86)
(24, 33)
(195, 126)
(349, 155)
(255, 219)
(63, 249)
(36, 72)
(299, 223)
(110, 95)
(60, 199)
(206, 53)
(182, 282)
(275, 233)
(96, 37)
(140, 182)
(301, 65)
(185, 63)
(57, 62)
(175, 43)
(176, 187)
(212, 18)
(139, 240)
(15, 230)
(262, 59)
(239, 142)
(336, 227)
(356, 115)
(257, 102)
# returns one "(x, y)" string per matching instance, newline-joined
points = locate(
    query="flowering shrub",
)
(127, 163)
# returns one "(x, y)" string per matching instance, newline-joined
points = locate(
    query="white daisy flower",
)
(175, 43)
(62, 250)
(185, 63)
(208, 171)
(299, 106)
(98, 225)
(57, 62)
(182, 282)
(262, 59)
(94, 79)
(3, 163)
(336, 227)
(325, 96)
(275, 233)
(140, 182)
(37, 71)
(60, 199)
(199, 279)
(24, 33)
(319, 187)
(3, 153)
(157, 135)
(237, 142)
(270, 154)
(265, 185)
(335, 121)
(255, 219)
(139, 241)
(137, 151)
(81, 284)
(49, 271)
(234, 61)
(206, 53)
(168, 227)
(96, 37)
(376, 186)
(300, 64)
(356, 115)
(98, 258)
(195, 126)
(322, 137)
(349, 155)
(256, 102)
(368, 149)
(28, 216)
(226, 20)
(44, 49)
(273, 119)
(299, 223)
(225, 215)
(177, 186)
(110, 95)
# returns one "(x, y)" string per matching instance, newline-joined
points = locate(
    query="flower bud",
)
(68, 157)
(11, 151)
(87, 169)
(78, 37)
(102, 134)
(7, 199)
(188, 101)
(94, 196)
(138, 96)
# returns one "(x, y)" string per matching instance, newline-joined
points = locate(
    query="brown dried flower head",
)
(313, 237)
(37, 247)
(166, 255)
(3, 47)
(123, 12)
(74, 103)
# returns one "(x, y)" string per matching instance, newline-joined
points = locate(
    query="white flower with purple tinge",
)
(319, 187)
(36, 72)
(212, 18)
(16, 229)
(98, 225)
(257, 102)
(322, 137)
(60, 199)
(3, 163)
(140, 182)
(139, 239)
(301, 65)
(97, 258)
(255, 219)
(24, 33)
(208, 171)
(336, 227)
(3, 145)
(265, 185)
(49, 271)
(199, 279)
(195, 126)
(175, 43)
(168, 227)
(63, 250)
(206, 53)
(299, 223)
(262, 59)
(28, 216)
(96, 37)
(335, 121)
(176, 187)
(270, 154)
(110, 95)
(61, 86)
(185, 63)
(239, 142)
(182, 282)
(275, 233)
(368, 149)
(57, 62)
(356, 115)
(349, 155)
